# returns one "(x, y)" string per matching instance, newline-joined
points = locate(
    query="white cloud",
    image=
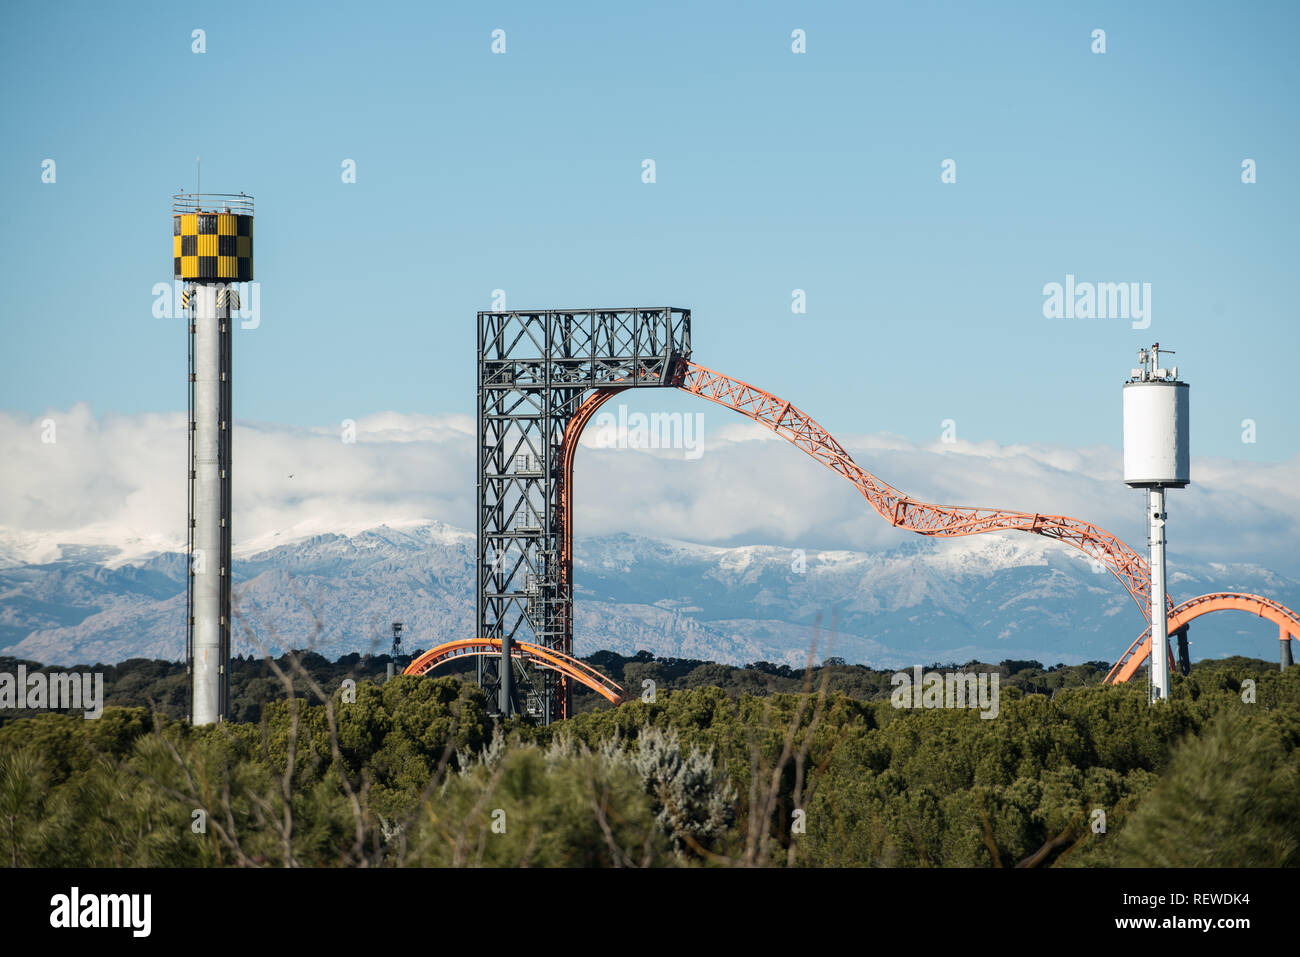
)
(119, 479)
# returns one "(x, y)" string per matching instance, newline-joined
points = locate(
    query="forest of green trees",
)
(762, 765)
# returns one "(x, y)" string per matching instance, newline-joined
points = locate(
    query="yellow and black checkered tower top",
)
(212, 237)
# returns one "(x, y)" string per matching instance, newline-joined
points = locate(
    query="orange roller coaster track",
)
(1276, 612)
(571, 668)
(924, 518)
(901, 511)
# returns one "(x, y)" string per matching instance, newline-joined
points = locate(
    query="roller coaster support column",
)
(1159, 660)
(1286, 646)
(506, 701)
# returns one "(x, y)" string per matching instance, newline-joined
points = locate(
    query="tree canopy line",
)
(762, 765)
(162, 685)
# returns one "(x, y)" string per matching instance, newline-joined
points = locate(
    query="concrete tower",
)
(212, 251)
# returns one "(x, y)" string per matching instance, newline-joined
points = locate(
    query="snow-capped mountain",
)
(337, 589)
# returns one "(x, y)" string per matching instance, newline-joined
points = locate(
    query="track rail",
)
(923, 518)
(537, 655)
(1286, 620)
(902, 511)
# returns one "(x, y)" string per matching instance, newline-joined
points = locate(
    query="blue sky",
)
(775, 171)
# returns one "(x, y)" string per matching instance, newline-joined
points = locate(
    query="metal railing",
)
(240, 204)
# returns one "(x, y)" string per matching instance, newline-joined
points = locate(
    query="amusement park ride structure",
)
(534, 371)
(542, 376)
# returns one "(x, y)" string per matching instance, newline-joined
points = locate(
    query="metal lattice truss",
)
(534, 370)
(924, 518)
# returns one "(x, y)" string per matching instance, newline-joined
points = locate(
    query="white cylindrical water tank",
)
(1155, 434)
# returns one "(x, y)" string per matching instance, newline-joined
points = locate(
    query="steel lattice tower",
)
(534, 370)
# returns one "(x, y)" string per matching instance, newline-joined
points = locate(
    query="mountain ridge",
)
(990, 597)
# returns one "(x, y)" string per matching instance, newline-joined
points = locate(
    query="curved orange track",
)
(1274, 611)
(901, 511)
(924, 518)
(565, 665)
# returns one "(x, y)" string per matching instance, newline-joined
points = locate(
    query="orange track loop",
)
(522, 651)
(924, 518)
(1279, 614)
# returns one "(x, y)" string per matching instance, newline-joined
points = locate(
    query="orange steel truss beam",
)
(571, 668)
(902, 511)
